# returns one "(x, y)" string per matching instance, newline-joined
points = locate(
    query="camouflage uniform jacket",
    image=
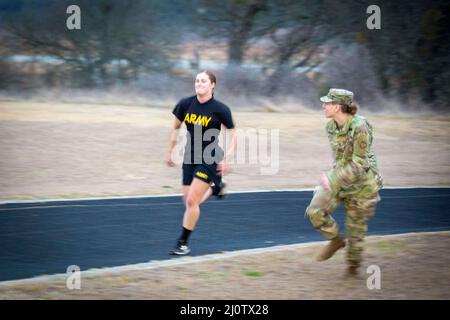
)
(355, 170)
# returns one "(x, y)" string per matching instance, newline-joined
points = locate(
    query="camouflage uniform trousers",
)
(359, 209)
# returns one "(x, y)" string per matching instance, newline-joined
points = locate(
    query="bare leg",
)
(186, 192)
(197, 192)
(207, 195)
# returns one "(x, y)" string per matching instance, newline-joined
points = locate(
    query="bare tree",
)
(117, 39)
(234, 20)
(298, 30)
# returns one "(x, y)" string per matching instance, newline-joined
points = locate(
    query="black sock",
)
(185, 235)
(216, 188)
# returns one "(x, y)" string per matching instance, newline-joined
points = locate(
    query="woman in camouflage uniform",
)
(354, 179)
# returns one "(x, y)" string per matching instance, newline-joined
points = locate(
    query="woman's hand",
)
(223, 168)
(172, 142)
(324, 182)
(169, 159)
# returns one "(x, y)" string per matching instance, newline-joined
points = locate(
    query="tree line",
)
(121, 40)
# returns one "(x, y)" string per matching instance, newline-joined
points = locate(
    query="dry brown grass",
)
(76, 150)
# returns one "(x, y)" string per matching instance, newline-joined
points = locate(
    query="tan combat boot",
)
(333, 246)
(352, 271)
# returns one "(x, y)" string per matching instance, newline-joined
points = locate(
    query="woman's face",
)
(331, 109)
(203, 85)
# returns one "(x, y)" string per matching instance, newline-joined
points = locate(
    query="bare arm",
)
(224, 166)
(232, 148)
(172, 141)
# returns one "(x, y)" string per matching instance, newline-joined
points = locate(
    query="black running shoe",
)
(181, 249)
(220, 190)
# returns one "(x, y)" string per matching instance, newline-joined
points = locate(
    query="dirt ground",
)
(69, 151)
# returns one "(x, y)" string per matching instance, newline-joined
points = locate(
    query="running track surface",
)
(46, 237)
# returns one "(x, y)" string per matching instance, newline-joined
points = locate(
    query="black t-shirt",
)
(203, 122)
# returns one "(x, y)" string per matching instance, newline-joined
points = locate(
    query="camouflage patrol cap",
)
(338, 96)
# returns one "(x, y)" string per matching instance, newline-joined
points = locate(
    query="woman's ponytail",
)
(350, 108)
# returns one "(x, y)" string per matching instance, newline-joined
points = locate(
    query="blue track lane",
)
(47, 237)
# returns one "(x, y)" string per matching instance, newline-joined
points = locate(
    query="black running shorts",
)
(204, 172)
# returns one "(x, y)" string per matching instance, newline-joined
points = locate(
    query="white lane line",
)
(179, 194)
(162, 204)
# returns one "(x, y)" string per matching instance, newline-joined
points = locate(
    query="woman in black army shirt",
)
(204, 161)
